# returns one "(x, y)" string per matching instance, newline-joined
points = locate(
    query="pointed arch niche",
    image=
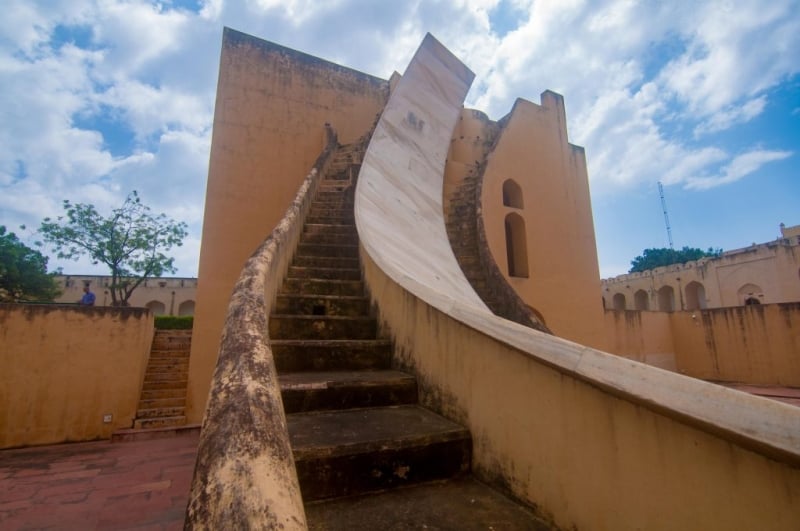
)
(695, 296)
(512, 194)
(516, 246)
(641, 301)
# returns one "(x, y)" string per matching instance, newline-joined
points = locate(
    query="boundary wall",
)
(757, 344)
(594, 441)
(65, 367)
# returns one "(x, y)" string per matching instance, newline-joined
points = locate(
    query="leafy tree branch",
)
(132, 242)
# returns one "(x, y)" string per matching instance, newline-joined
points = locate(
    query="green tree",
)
(131, 242)
(23, 272)
(652, 258)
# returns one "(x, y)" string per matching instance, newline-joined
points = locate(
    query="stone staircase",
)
(162, 403)
(354, 423)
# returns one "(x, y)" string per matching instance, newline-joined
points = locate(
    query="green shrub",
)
(174, 322)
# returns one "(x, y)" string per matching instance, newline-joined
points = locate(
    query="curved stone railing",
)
(592, 439)
(244, 475)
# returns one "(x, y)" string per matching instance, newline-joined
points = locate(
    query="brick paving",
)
(142, 485)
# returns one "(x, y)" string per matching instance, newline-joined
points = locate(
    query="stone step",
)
(330, 220)
(152, 403)
(353, 451)
(159, 394)
(317, 286)
(463, 504)
(160, 412)
(163, 385)
(172, 341)
(321, 327)
(309, 304)
(168, 362)
(316, 391)
(162, 422)
(311, 228)
(326, 261)
(174, 353)
(329, 239)
(165, 376)
(327, 273)
(345, 215)
(293, 355)
(336, 189)
(340, 251)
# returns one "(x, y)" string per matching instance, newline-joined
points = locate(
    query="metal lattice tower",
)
(666, 216)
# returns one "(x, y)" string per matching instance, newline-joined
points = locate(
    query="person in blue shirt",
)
(88, 297)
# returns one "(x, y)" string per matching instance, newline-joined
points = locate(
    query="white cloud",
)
(741, 166)
(733, 115)
(644, 84)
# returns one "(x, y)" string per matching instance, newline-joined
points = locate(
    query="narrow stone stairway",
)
(354, 423)
(163, 400)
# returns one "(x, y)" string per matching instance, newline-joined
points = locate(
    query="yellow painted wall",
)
(757, 344)
(272, 104)
(563, 280)
(641, 336)
(63, 368)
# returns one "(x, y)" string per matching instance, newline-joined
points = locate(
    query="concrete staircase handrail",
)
(245, 476)
(401, 225)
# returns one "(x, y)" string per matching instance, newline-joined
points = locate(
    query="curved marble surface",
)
(401, 225)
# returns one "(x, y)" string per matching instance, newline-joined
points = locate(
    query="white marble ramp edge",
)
(401, 225)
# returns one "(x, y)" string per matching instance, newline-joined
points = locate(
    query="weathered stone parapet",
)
(245, 475)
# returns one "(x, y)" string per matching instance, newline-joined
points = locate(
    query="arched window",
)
(186, 308)
(157, 307)
(516, 246)
(695, 296)
(640, 300)
(750, 292)
(619, 302)
(666, 299)
(512, 194)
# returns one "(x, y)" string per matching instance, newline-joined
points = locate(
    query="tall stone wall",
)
(562, 277)
(271, 108)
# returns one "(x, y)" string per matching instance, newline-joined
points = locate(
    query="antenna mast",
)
(666, 216)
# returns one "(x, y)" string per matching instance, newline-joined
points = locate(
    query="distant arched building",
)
(766, 273)
(162, 295)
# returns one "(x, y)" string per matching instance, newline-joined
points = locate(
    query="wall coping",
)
(245, 473)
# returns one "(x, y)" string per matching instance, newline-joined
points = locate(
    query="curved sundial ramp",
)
(595, 441)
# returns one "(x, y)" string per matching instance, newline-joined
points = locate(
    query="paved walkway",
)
(141, 485)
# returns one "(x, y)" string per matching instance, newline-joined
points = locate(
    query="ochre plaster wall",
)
(641, 336)
(64, 368)
(563, 278)
(757, 344)
(272, 104)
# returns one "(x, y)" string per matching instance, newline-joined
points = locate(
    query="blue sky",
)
(103, 97)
